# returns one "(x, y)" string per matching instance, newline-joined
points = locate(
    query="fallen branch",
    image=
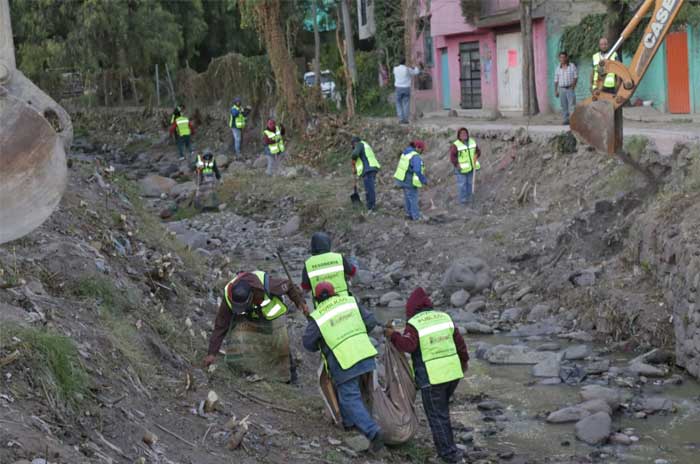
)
(173, 434)
(112, 446)
(10, 358)
(207, 433)
(263, 402)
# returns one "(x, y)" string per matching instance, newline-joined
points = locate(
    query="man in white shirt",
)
(402, 82)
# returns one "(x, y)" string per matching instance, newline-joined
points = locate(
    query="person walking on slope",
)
(410, 175)
(237, 121)
(403, 75)
(253, 296)
(366, 167)
(273, 139)
(326, 266)
(440, 358)
(339, 328)
(464, 156)
(183, 130)
(207, 174)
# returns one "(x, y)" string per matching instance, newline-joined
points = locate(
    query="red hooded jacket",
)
(453, 149)
(408, 341)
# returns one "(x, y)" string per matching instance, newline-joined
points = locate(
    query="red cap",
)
(324, 287)
(419, 145)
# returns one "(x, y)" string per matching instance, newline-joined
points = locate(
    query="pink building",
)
(477, 66)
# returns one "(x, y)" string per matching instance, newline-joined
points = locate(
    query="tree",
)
(349, 44)
(410, 13)
(530, 105)
(317, 45)
(266, 17)
(349, 86)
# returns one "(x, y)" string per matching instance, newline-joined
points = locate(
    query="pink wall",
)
(539, 39)
(447, 18)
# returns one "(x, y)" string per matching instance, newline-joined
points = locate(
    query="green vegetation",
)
(101, 288)
(415, 453)
(54, 361)
(635, 145)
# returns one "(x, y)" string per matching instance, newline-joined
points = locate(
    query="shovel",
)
(355, 197)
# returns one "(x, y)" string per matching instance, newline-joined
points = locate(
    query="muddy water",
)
(674, 437)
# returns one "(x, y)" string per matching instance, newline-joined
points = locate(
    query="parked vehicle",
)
(327, 83)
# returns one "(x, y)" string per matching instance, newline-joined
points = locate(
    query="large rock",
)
(469, 274)
(594, 406)
(478, 328)
(547, 368)
(647, 370)
(155, 186)
(538, 312)
(183, 191)
(594, 429)
(475, 306)
(511, 314)
(576, 352)
(363, 278)
(611, 396)
(570, 414)
(291, 227)
(193, 239)
(222, 161)
(388, 297)
(459, 298)
(517, 354)
(653, 404)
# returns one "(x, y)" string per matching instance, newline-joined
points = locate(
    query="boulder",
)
(478, 328)
(511, 314)
(222, 161)
(552, 346)
(183, 191)
(462, 275)
(538, 312)
(611, 396)
(576, 352)
(597, 367)
(594, 429)
(291, 227)
(647, 370)
(193, 239)
(517, 354)
(397, 304)
(594, 406)
(154, 185)
(653, 404)
(620, 439)
(655, 356)
(547, 368)
(388, 297)
(363, 278)
(459, 298)
(475, 306)
(570, 414)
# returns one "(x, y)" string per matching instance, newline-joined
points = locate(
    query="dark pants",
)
(182, 143)
(436, 404)
(370, 193)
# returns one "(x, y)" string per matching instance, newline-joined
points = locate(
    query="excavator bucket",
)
(34, 136)
(32, 169)
(599, 124)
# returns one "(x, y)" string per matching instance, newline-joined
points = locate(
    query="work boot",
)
(377, 443)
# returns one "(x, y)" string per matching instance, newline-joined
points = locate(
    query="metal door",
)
(509, 51)
(678, 72)
(445, 79)
(470, 75)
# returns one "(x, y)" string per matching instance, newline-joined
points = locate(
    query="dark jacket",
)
(408, 342)
(358, 154)
(321, 243)
(267, 140)
(453, 149)
(225, 319)
(313, 341)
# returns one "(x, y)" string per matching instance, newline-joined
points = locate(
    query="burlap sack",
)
(260, 347)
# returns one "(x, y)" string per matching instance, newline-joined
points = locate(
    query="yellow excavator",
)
(598, 120)
(35, 133)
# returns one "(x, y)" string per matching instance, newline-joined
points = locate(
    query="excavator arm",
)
(35, 134)
(598, 120)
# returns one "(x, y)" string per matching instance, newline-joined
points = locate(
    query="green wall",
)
(694, 63)
(654, 85)
(584, 72)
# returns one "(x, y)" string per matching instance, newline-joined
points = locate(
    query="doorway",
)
(678, 72)
(509, 50)
(469, 75)
(445, 79)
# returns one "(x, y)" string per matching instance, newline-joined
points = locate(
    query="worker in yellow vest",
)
(326, 266)
(366, 167)
(253, 296)
(440, 359)
(410, 176)
(207, 173)
(237, 120)
(610, 80)
(464, 155)
(273, 139)
(183, 130)
(339, 328)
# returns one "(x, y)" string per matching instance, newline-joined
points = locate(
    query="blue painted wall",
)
(654, 85)
(694, 64)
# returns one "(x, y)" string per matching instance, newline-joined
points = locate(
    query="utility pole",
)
(529, 91)
(349, 44)
(317, 46)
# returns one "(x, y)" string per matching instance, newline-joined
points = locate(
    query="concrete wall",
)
(654, 85)
(694, 63)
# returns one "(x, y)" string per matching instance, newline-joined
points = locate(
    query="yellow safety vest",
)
(371, 159)
(239, 121)
(402, 169)
(465, 156)
(183, 126)
(271, 307)
(610, 80)
(278, 143)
